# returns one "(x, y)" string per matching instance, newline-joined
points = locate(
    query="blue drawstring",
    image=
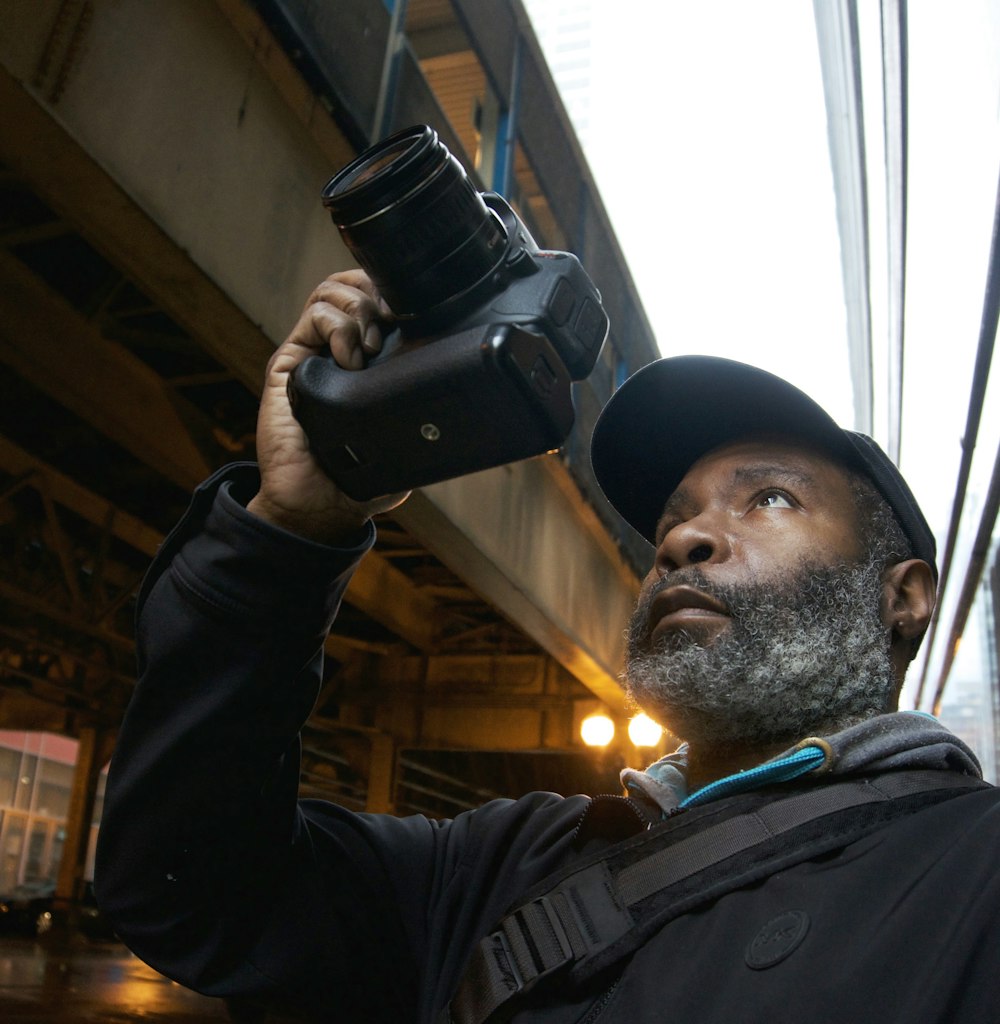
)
(802, 761)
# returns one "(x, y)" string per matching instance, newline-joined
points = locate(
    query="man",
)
(792, 580)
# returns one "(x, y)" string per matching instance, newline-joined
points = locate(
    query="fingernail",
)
(373, 338)
(356, 359)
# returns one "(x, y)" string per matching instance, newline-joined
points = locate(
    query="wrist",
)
(338, 528)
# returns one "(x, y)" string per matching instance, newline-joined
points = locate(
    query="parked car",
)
(29, 907)
(27, 910)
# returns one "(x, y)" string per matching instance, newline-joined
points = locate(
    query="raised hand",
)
(344, 315)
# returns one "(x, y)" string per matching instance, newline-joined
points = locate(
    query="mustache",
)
(690, 576)
(640, 627)
(744, 600)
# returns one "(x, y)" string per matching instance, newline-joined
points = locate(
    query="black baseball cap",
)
(673, 411)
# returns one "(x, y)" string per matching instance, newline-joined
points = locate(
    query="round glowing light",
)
(597, 730)
(643, 731)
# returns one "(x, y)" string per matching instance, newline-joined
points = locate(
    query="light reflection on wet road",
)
(92, 984)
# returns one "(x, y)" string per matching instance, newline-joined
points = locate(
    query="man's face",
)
(752, 511)
(756, 620)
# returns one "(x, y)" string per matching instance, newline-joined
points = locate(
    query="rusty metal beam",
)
(382, 592)
(378, 589)
(30, 602)
(50, 344)
(458, 699)
(59, 541)
(64, 697)
(85, 503)
(22, 637)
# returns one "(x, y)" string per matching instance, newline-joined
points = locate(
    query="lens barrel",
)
(412, 218)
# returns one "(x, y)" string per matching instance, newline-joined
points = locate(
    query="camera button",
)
(591, 325)
(561, 302)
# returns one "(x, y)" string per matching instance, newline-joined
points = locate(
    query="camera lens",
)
(409, 214)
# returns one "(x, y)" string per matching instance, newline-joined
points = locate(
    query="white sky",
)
(725, 206)
(708, 140)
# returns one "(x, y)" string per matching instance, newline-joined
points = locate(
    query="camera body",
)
(544, 291)
(490, 331)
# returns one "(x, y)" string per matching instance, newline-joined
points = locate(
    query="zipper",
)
(596, 1009)
(630, 811)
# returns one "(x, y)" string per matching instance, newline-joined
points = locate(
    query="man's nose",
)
(698, 539)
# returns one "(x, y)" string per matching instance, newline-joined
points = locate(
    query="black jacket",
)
(217, 876)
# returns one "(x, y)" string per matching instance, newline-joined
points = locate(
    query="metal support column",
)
(977, 400)
(973, 574)
(895, 75)
(503, 163)
(382, 121)
(839, 50)
(69, 881)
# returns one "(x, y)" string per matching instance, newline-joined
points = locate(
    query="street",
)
(99, 983)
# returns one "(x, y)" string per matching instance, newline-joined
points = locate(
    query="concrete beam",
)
(71, 182)
(273, 63)
(523, 538)
(231, 255)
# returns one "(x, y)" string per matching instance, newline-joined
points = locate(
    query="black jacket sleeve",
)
(207, 864)
(201, 835)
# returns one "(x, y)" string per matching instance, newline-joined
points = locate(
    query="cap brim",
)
(672, 412)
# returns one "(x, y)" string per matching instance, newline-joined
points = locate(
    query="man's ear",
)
(908, 595)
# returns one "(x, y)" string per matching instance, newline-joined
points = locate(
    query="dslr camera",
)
(489, 331)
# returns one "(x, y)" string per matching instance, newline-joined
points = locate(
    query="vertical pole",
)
(382, 121)
(894, 91)
(69, 881)
(488, 126)
(503, 165)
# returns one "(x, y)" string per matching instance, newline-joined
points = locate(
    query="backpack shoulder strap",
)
(597, 912)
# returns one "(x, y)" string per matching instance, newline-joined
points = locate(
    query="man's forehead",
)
(752, 459)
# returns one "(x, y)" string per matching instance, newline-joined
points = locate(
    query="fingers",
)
(346, 314)
(362, 282)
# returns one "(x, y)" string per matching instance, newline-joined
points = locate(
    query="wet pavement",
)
(92, 983)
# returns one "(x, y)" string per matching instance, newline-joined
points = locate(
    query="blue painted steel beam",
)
(503, 163)
(382, 121)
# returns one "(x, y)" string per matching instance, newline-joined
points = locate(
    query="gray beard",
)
(811, 658)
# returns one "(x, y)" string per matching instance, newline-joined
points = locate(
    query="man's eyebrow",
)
(763, 472)
(754, 475)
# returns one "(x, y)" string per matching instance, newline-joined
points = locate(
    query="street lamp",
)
(597, 730)
(643, 731)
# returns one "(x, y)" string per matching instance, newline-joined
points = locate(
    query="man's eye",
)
(774, 499)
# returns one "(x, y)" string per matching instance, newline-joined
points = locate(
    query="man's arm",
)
(202, 836)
